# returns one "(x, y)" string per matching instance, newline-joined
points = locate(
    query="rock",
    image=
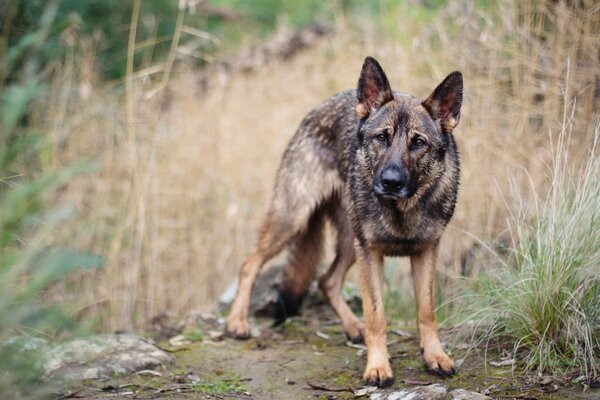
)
(265, 294)
(462, 394)
(25, 343)
(102, 356)
(430, 392)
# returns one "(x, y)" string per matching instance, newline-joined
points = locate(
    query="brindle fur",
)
(335, 168)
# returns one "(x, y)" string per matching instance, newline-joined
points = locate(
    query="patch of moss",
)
(194, 336)
(231, 385)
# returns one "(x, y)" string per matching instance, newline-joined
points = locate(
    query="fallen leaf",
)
(402, 333)
(208, 316)
(363, 391)
(179, 340)
(148, 372)
(216, 335)
(322, 335)
(362, 349)
(502, 363)
(356, 345)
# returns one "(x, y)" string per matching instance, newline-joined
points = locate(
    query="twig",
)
(327, 389)
(69, 395)
(416, 383)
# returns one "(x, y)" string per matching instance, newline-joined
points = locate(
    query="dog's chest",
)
(398, 233)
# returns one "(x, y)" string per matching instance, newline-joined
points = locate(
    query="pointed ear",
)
(445, 101)
(373, 88)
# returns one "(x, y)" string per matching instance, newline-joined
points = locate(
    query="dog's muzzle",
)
(393, 182)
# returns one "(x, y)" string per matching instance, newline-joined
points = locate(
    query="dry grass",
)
(541, 304)
(176, 205)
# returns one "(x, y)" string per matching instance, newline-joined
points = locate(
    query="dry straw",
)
(188, 163)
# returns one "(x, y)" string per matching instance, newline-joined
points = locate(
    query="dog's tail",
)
(305, 254)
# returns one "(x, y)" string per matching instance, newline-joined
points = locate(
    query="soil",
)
(307, 358)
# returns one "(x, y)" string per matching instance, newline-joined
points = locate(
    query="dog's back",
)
(310, 172)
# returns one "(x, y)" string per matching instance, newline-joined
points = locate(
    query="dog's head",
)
(403, 139)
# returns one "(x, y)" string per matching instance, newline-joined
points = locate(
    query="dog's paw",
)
(238, 329)
(439, 363)
(355, 333)
(380, 376)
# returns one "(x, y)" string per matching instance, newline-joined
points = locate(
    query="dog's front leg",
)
(423, 273)
(379, 370)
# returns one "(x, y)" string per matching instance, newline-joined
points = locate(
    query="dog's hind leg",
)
(274, 235)
(291, 220)
(306, 252)
(331, 282)
(305, 181)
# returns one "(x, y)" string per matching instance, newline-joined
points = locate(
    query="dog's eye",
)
(381, 137)
(418, 143)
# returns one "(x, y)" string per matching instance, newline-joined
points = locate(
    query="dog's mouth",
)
(400, 194)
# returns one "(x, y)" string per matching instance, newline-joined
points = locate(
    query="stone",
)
(101, 357)
(430, 392)
(265, 293)
(462, 394)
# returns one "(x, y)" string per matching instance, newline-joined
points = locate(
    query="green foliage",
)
(544, 302)
(223, 386)
(108, 21)
(28, 264)
(265, 13)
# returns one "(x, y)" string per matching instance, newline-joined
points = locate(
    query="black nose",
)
(393, 178)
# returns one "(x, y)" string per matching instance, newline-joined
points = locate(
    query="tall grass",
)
(186, 176)
(544, 302)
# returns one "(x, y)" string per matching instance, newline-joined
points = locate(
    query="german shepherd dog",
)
(383, 167)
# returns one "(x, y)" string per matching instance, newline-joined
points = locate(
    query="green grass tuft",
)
(545, 301)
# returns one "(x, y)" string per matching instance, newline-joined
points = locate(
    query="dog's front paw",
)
(379, 375)
(238, 328)
(439, 363)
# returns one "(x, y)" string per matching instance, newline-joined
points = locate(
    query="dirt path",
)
(307, 358)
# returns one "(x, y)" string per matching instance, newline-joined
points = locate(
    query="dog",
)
(383, 167)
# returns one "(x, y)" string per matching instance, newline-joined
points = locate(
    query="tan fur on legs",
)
(237, 320)
(378, 371)
(423, 273)
(331, 282)
(269, 244)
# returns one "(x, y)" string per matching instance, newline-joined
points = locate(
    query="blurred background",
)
(140, 139)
